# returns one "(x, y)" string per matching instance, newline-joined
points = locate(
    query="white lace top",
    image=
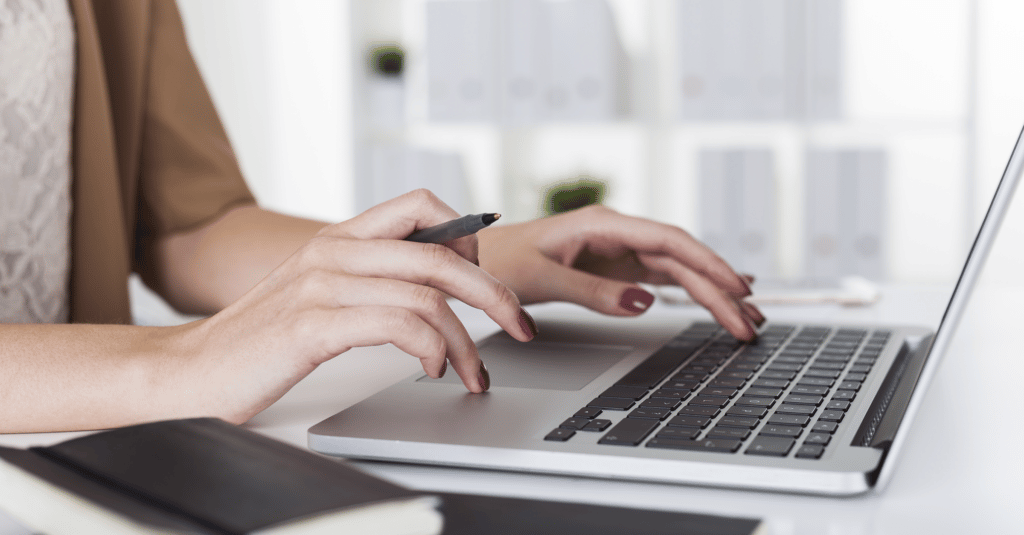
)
(37, 59)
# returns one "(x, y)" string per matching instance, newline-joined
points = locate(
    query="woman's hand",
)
(355, 284)
(595, 256)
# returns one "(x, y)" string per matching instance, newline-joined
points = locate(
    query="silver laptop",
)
(808, 408)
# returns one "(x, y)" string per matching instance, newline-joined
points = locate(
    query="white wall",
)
(279, 72)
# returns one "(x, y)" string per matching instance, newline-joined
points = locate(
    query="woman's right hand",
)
(355, 284)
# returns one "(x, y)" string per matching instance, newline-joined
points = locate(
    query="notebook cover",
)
(467, 514)
(217, 475)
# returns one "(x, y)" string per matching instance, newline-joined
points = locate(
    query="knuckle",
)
(430, 300)
(424, 196)
(397, 320)
(503, 296)
(441, 257)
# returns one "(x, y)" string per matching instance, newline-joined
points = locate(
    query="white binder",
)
(461, 60)
(524, 53)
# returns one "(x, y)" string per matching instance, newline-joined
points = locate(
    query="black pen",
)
(454, 229)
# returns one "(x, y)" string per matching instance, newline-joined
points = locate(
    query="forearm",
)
(73, 377)
(206, 270)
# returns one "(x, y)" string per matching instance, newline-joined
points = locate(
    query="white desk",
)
(961, 470)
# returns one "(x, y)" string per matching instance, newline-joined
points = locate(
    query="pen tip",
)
(491, 218)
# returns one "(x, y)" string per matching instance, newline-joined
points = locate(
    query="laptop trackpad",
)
(542, 365)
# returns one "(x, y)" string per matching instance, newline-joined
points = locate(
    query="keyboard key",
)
(737, 421)
(690, 376)
(781, 431)
(650, 414)
(560, 435)
(683, 433)
(755, 402)
(683, 420)
(744, 365)
(824, 427)
(615, 404)
(836, 405)
(677, 395)
(656, 403)
(803, 410)
(721, 392)
(773, 393)
(685, 386)
(770, 383)
(818, 438)
(832, 416)
(574, 423)
(784, 366)
(597, 425)
(825, 365)
(792, 359)
(810, 390)
(735, 433)
(788, 419)
(736, 374)
(804, 400)
(817, 381)
(810, 451)
(856, 377)
(749, 412)
(860, 368)
(653, 370)
(629, 432)
(828, 374)
(849, 385)
(587, 412)
(625, 392)
(710, 401)
(710, 412)
(844, 395)
(773, 446)
(784, 376)
(709, 444)
(726, 383)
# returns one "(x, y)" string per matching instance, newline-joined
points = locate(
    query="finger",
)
(606, 228)
(725, 310)
(399, 217)
(430, 265)
(364, 326)
(609, 296)
(430, 305)
(752, 312)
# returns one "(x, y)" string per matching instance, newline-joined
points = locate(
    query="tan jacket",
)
(149, 156)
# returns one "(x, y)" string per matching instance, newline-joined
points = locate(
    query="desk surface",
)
(961, 469)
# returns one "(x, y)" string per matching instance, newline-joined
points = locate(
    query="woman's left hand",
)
(595, 256)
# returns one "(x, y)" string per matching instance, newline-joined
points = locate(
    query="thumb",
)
(604, 295)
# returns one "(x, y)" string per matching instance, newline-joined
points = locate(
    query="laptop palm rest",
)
(542, 365)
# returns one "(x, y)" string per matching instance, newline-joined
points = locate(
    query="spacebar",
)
(651, 371)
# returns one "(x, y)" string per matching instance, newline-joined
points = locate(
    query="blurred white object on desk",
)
(852, 291)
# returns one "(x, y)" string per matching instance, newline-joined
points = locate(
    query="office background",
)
(926, 100)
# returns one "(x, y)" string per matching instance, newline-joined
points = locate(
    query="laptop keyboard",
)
(707, 391)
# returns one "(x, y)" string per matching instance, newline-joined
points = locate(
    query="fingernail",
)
(753, 313)
(746, 285)
(528, 325)
(444, 368)
(748, 278)
(636, 300)
(484, 378)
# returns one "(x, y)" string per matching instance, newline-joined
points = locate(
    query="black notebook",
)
(200, 476)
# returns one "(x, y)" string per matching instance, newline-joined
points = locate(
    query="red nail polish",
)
(526, 322)
(444, 368)
(636, 300)
(484, 378)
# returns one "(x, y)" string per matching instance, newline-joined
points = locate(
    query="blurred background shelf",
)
(925, 92)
